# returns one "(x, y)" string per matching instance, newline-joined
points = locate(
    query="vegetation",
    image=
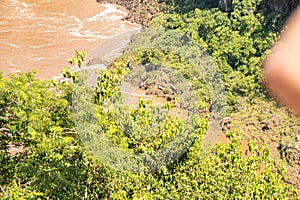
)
(56, 165)
(54, 161)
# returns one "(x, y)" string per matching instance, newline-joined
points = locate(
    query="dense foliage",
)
(36, 119)
(237, 40)
(237, 35)
(56, 165)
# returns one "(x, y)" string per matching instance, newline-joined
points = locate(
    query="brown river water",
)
(43, 34)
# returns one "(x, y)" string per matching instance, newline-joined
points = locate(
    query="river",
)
(43, 34)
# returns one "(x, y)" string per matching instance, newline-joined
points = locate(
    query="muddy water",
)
(43, 34)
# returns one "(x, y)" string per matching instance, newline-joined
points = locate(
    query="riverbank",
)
(140, 12)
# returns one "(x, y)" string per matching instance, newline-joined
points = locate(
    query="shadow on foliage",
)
(280, 6)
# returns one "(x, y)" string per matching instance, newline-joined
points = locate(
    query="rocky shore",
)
(139, 11)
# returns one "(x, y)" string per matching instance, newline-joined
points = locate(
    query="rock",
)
(275, 120)
(267, 126)
(297, 145)
(298, 138)
(15, 149)
(170, 98)
(225, 123)
(5, 131)
(140, 11)
(225, 5)
(145, 86)
(173, 88)
(291, 151)
(129, 65)
(161, 88)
